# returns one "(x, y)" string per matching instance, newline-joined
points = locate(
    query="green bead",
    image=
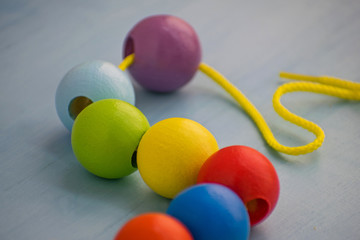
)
(105, 136)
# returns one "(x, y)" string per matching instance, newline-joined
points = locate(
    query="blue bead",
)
(90, 82)
(211, 212)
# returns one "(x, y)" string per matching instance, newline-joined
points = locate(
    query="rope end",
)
(127, 62)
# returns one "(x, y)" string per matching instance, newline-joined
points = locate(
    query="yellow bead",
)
(171, 153)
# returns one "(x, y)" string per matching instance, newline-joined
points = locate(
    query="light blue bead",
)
(95, 80)
(211, 212)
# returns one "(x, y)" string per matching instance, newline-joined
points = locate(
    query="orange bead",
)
(155, 226)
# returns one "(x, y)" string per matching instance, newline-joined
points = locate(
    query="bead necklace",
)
(217, 194)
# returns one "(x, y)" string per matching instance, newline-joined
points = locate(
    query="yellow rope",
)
(325, 85)
(334, 87)
(332, 81)
(127, 62)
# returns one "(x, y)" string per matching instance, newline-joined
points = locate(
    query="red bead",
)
(248, 173)
(155, 226)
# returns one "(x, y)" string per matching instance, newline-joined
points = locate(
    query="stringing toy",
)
(211, 212)
(90, 82)
(167, 52)
(249, 174)
(154, 226)
(163, 53)
(171, 153)
(105, 136)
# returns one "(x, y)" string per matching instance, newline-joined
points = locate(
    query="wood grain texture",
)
(46, 194)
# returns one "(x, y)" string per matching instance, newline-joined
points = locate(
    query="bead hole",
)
(129, 46)
(77, 105)
(134, 160)
(258, 209)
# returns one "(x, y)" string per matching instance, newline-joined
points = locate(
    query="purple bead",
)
(167, 52)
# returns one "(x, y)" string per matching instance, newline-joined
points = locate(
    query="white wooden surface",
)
(46, 194)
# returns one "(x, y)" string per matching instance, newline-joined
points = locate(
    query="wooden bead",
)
(211, 212)
(167, 52)
(90, 82)
(248, 173)
(154, 226)
(105, 136)
(171, 153)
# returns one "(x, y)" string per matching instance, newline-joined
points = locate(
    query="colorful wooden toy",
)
(237, 185)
